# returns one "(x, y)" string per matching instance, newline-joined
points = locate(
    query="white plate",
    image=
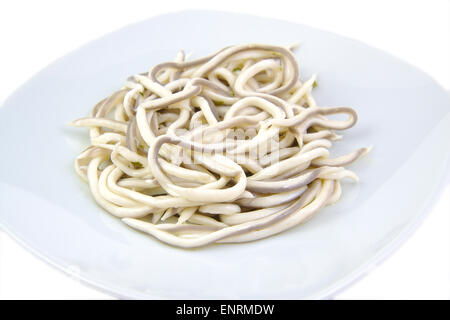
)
(403, 113)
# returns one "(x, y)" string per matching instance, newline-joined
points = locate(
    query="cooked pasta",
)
(231, 147)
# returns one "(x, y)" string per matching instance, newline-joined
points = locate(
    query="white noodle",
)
(227, 148)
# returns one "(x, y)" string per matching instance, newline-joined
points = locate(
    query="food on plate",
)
(231, 147)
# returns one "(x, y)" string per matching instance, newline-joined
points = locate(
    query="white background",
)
(34, 33)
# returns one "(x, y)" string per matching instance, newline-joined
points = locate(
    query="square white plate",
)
(403, 114)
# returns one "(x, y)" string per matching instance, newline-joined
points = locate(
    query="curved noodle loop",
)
(231, 147)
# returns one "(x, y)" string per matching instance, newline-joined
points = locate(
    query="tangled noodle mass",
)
(231, 147)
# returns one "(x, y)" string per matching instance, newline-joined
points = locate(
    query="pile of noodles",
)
(231, 147)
